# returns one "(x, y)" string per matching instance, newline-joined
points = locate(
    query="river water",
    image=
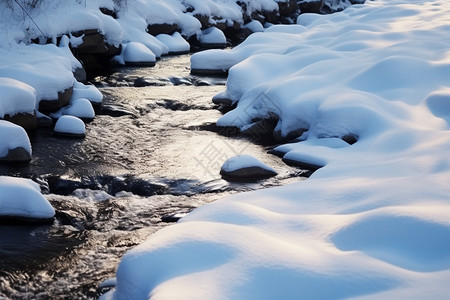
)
(152, 151)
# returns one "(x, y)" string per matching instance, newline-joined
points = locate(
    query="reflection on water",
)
(145, 157)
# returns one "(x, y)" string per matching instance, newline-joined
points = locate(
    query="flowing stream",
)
(152, 151)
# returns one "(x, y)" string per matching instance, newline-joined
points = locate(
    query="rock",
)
(173, 218)
(222, 99)
(22, 201)
(70, 126)
(80, 108)
(302, 164)
(108, 12)
(137, 54)
(15, 145)
(44, 121)
(204, 20)
(288, 9)
(310, 6)
(53, 105)
(155, 29)
(115, 111)
(259, 129)
(93, 42)
(245, 168)
(213, 38)
(26, 120)
(350, 138)
(288, 137)
(17, 155)
(80, 74)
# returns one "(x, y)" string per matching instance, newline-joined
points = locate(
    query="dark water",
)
(152, 151)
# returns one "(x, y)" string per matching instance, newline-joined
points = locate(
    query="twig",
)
(30, 17)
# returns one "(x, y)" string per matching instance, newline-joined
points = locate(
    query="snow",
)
(372, 223)
(81, 108)
(21, 197)
(254, 26)
(243, 161)
(49, 74)
(70, 124)
(213, 35)
(137, 52)
(175, 42)
(89, 92)
(12, 136)
(16, 97)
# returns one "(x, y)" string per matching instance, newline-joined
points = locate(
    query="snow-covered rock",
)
(70, 126)
(80, 108)
(21, 199)
(175, 43)
(17, 102)
(213, 38)
(135, 53)
(89, 92)
(245, 167)
(14, 143)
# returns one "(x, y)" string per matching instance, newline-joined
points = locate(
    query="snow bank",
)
(21, 197)
(373, 222)
(49, 74)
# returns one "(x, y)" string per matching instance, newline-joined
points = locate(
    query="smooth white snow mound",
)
(70, 125)
(89, 92)
(16, 97)
(213, 35)
(13, 136)
(244, 161)
(175, 42)
(137, 52)
(254, 26)
(21, 197)
(81, 108)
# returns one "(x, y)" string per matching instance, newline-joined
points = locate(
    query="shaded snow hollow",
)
(373, 222)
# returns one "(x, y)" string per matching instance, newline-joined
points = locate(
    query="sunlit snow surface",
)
(373, 223)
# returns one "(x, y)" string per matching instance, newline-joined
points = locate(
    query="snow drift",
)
(371, 223)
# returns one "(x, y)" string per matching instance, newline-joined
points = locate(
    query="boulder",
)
(155, 29)
(22, 201)
(52, 105)
(70, 126)
(212, 38)
(15, 145)
(310, 6)
(288, 8)
(26, 120)
(245, 168)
